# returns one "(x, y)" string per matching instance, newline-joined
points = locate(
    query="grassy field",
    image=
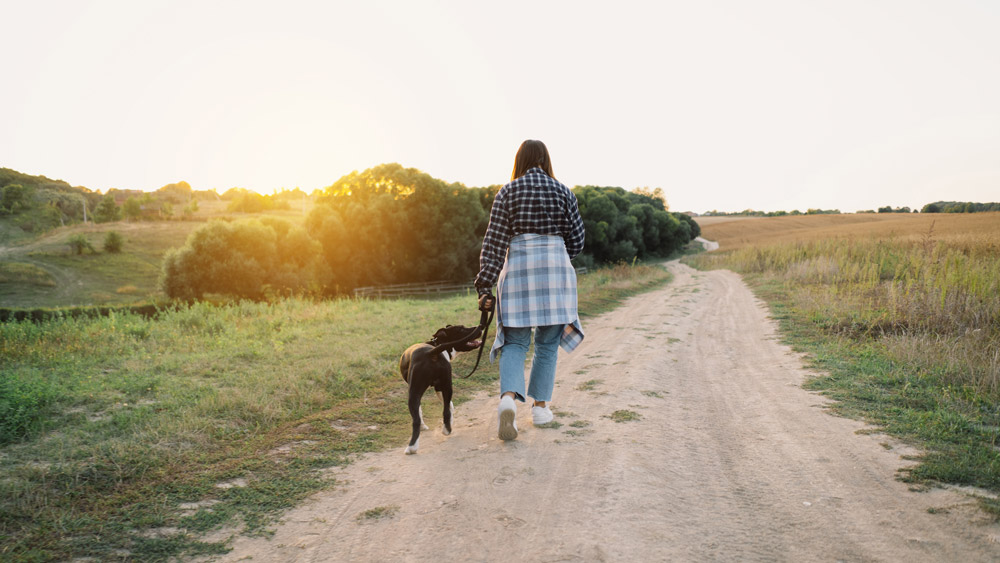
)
(901, 313)
(42, 271)
(132, 438)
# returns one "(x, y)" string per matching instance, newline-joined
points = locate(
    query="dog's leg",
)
(414, 403)
(445, 395)
(451, 405)
(423, 425)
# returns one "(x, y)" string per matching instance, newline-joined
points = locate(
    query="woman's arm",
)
(495, 242)
(574, 238)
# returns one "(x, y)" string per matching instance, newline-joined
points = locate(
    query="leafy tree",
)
(693, 227)
(233, 193)
(655, 194)
(190, 209)
(8, 176)
(253, 202)
(176, 193)
(390, 224)
(621, 226)
(13, 198)
(113, 242)
(51, 216)
(68, 204)
(132, 209)
(243, 259)
(107, 210)
(960, 207)
(289, 195)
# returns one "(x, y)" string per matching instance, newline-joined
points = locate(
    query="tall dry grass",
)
(929, 294)
(733, 233)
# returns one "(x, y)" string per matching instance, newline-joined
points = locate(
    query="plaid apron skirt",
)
(537, 287)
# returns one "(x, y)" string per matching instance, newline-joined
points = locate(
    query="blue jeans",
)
(543, 362)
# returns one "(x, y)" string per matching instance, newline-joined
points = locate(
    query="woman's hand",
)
(486, 302)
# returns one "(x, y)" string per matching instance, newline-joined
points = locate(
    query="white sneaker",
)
(541, 415)
(506, 413)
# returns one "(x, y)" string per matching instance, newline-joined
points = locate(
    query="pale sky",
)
(725, 105)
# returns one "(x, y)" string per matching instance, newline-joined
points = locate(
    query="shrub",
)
(79, 243)
(243, 259)
(624, 225)
(113, 242)
(13, 198)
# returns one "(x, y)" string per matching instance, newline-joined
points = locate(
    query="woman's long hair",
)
(531, 154)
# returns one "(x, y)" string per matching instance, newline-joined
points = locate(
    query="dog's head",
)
(465, 335)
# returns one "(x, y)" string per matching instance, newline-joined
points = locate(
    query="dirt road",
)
(727, 459)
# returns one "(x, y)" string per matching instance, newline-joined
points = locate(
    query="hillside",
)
(54, 277)
(43, 272)
(34, 204)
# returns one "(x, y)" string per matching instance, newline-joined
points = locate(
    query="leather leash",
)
(484, 322)
(485, 318)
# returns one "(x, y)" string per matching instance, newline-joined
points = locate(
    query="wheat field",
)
(960, 229)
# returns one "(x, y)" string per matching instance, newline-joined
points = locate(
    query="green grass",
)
(589, 385)
(120, 421)
(551, 424)
(624, 415)
(22, 273)
(378, 513)
(905, 335)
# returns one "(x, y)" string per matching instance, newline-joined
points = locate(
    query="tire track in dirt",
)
(729, 460)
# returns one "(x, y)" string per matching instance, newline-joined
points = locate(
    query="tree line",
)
(960, 207)
(780, 213)
(36, 204)
(389, 225)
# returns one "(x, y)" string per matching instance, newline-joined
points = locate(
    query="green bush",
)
(13, 198)
(113, 242)
(244, 259)
(79, 243)
(625, 225)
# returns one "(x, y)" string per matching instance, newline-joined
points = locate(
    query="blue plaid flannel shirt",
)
(534, 203)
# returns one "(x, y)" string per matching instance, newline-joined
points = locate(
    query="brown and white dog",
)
(429, 364)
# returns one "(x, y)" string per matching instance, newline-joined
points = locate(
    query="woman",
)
(535, 230)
